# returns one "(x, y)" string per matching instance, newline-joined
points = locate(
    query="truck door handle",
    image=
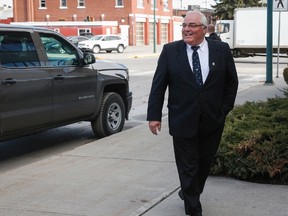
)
(8, 81)
(59, 77)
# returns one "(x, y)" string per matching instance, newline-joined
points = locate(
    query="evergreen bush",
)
(254, 146)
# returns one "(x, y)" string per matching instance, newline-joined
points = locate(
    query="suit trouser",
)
(193, 160)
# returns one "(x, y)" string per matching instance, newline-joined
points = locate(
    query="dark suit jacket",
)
(190, 107)
(214, 36)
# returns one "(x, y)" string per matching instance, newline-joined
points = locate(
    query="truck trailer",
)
(246, 34)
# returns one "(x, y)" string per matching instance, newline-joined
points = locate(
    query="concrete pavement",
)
(132, 173)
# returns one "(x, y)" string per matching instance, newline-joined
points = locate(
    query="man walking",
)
(202, 84)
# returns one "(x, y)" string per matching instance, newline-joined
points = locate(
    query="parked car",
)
(76, 39)
(45, 86)
(107, 43)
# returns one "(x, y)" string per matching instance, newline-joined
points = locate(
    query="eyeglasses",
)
(191, 25)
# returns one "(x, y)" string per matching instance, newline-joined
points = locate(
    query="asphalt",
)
(132, 173)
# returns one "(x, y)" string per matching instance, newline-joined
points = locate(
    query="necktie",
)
(196, 66)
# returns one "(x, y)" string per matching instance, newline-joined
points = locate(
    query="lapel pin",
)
(213, 63)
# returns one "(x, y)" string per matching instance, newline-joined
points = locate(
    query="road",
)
(29, 149)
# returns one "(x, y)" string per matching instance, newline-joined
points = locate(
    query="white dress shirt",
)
(203, 53)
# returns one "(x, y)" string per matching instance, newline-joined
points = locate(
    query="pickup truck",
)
(47, 82)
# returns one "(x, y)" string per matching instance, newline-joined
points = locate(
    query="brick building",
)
(133, 19)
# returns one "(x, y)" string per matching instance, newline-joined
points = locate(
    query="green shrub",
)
(254, 145)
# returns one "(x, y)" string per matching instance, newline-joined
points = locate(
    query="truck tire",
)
(236, 53)
(111, 117)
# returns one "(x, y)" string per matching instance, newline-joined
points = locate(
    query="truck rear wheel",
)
(236, 53)
(111, 117)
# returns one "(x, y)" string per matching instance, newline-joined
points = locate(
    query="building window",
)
(81, 3)
(152, 4)
(165, 5)
(140, 3)
(85, 32)
(63, 3)
(42, 3)
(119, 3)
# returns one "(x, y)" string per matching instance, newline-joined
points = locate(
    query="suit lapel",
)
(213, 55)
(182, 58)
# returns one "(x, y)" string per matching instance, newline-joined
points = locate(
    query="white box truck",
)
(246, 34)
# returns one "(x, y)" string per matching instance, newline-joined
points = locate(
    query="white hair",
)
(203, 17)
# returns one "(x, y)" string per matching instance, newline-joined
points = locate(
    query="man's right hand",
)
(155, 127)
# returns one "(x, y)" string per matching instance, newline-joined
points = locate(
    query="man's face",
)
(193, 32)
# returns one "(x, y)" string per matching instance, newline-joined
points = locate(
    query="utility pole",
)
(269, 50)
(154, 27)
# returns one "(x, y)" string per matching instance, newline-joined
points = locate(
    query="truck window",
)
(17, 50)
(58, 51)
(223, 28)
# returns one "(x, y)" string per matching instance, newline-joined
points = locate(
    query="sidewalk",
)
(230, 197)
(132, 173)
(262, 91)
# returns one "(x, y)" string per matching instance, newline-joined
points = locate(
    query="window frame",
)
(63, 4)
(140, 3)
(58, 58)
(165, 5)
(119, 3)
(20, 50)
(42, 4)
(81, 4)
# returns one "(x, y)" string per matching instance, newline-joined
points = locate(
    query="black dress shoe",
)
(180, 194)
(197, 214)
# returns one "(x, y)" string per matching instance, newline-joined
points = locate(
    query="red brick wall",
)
(93, 9)
(28, 10)
(20, 11)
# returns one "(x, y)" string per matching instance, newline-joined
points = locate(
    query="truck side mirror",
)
(89, 58)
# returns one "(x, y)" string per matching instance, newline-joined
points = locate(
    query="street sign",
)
(280, 5)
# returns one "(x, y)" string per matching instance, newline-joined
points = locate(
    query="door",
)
(110, 42)
(26, 96)
(74, 87)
